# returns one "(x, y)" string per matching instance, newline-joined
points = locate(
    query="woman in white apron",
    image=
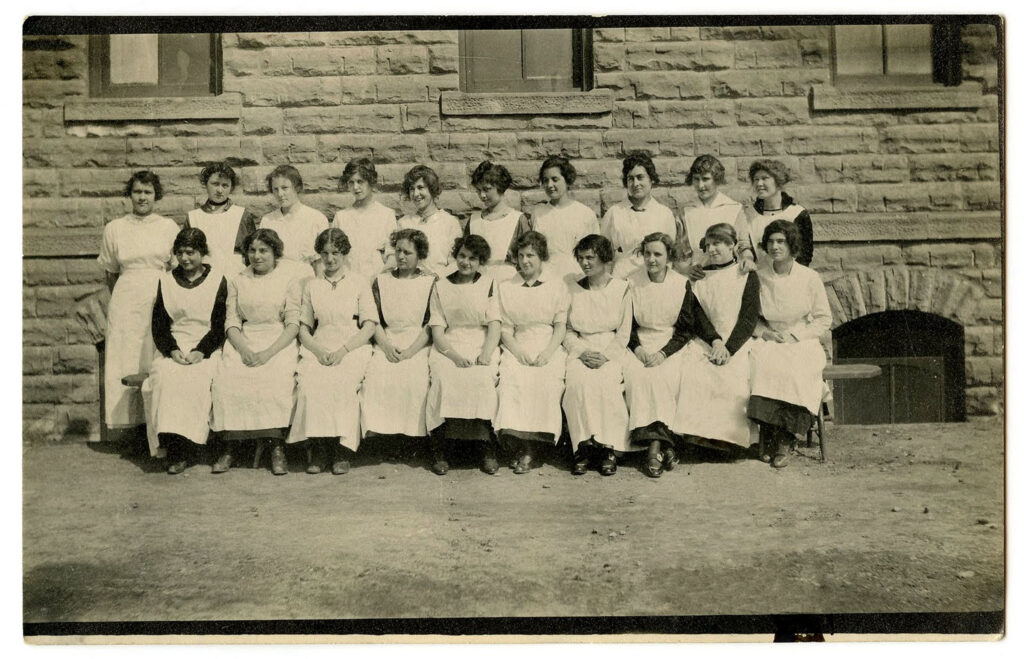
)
(422, 187)
(769, 177)
(253, 391)
(652, 374)
(296, 224)
(188, 330)
(722, 309)
(394, 394)
(563, 220)
(367, 222)
(705, 175)
(497, 223)
(531, 375)
(465, 324)
(333, 358)
(597, 331)
(225, 223)
(786, 364)
(135, 251)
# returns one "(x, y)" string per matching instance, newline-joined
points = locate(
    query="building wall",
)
(316, 100)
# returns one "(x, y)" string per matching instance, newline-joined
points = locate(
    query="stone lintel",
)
(873, 227)
(225, 106)
(924, 97)
(461, 103)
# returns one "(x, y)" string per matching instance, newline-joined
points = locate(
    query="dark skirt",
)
(465, 430)
(791, 418)
(264, 433)
(655, 431)
(510, 439)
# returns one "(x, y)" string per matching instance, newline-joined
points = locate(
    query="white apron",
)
(369, 232)
(221, 230)
(498, 233)
(564, 227)
(626, 227)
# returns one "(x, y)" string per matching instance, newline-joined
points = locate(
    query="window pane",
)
(858, 50)
(184, 59)
(547, 56)
(134, 59)
(909, 49)
(494, 59)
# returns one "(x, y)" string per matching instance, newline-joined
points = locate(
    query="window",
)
(154, 65)
(897, 55)
(554, 60)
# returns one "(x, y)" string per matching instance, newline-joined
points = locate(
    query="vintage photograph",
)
(512, 326)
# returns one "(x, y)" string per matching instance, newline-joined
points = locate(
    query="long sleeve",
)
(437, 317)
(161, 324)
(806, 228)
(624, 332)
(232, 317)
(293, 302)
(820, 314)
(215, 337)
(750, 310)
(249, 223)
(698, 318)
(683, 250)
(306, 315)
(683, 329)
(108, 251)
(572, 342)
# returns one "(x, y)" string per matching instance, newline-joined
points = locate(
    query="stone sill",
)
(225, 106)
(487, 103)
(967, 95)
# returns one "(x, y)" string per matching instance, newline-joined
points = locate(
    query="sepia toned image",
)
(524, 327)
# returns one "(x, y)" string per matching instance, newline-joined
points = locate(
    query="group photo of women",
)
(514, 339)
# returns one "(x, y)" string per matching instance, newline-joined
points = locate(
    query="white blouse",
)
(795, 303)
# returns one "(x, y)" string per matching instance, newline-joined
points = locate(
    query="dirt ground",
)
(900, 519)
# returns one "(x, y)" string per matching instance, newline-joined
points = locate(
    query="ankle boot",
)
(341, 463)
(439, 464)
(490, 459)
(580, 460)
(315, 456)
(175, 454)
(278, 461)
(223, 462)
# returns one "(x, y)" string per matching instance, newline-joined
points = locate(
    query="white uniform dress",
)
(369, 231)
(626, 226)
(327, 397)
(222, 235)
(394, 395)
(258, 398)
(652, 393)
(464, 311)
(790, 372)
(498, 232)
(721, 210)
(298, 230)
(713, 398)
(529, 396)
(599, 320)
(441, 230)
(564, 227)
(139, 250)
(178, 398)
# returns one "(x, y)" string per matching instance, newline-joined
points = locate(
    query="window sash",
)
(536, 60)
(100, 70)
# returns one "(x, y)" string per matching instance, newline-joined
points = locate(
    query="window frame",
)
(582, 66)
(101, 88)
(946, 57)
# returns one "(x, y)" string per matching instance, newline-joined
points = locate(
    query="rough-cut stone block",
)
(58, 301)
(784, 32)
(909, 198)
(989, 310)
(454, 103)
(688, 114)
(781, 82)
(986, 255)
(402, 59)
(871, 168)
(244, 62)
(984, 401)
(838, 312)
(861, 257)
(827, 198)
(591, 145)
(992, 282)
(983, 370)
(262, 121)
(982, 196)
(44, 273)
(620, 85)
(849, 295)
(397, 149)
(872, 287)
(289, 149)
(502, 146)
(197, 128)
(772, 112)
(571, 122)
(897, 288)
(767, 55)
(75, 359)
(803, 140)
(609, 57)
(286, 91)
(951, 256)
(420, 117)
(612, 34)
(46, 388)
(80, 271)
(412, 88)
(922, 286)
(44, 331)
(358, 90)
(37, 361)
(949, 167)
(814, 52)
(51, 93)
(443, 58)
(730, 33)
(979, 137)
(620, 142)
(691, 33)
(101, 152)
(648, 34)
(920, 139)
(917, 255)
(979, 341)
(692, 56)
(40, 182)
(350, 119)
(68, 64)
(162, 152)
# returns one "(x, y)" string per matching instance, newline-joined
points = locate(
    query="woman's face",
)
(638, 185)
(489, 195)
(359, 187)
(764, 184)
(777, 247)
(705, 186)
(655, 257)
(284, 192)
(218, 188)
(405, 256)
(718, 251)
(143, 198)
(420, 195)
(591, 265)
(261, 257)
(189, 258)
(332, 258)
(554, 184)
(529, 262)
(467, 262)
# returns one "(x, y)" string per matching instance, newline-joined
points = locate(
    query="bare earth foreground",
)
(900, 519)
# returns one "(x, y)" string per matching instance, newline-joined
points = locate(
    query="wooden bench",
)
(838, 372)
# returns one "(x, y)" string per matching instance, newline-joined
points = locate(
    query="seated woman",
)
(497, 223)
(769, 178)
(254, 388)
(531, 374)
(394, 393)
(786, 365)
(465, 324)
(188, 330)
(333, 358)
(652, 377)
(597, 331)
(715, 385)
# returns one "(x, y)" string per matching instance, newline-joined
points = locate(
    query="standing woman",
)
(394, 393)
(497, 222)
(598, 328)
(367, 222)
(295, 224)
(627, 222)
(531, 375)
(225, 224)
(722, 308)
(188, 330)
(652, 378)
(465, 323)
(705, 175)
(333, 358)
(563, 220)
(769, 177)
(253, 390)
(422, 187)
(786, 365)
(135, 251)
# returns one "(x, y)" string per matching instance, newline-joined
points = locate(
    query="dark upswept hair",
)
(148, 178)
(534, 239)
(706, 164)
(268, 237)
(787, 229)
(563, 165)
(429, 177)
(598, 244)
(285, 171)
(639, 159)
(659, 237)
(477, 246)
(775, 169)
(496, 175)
(362, 166)
(722, 232)
(416, 237)
(335, 237)
(193, 238)
(222, 168)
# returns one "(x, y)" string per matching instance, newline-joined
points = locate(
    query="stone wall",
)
(316, 100)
